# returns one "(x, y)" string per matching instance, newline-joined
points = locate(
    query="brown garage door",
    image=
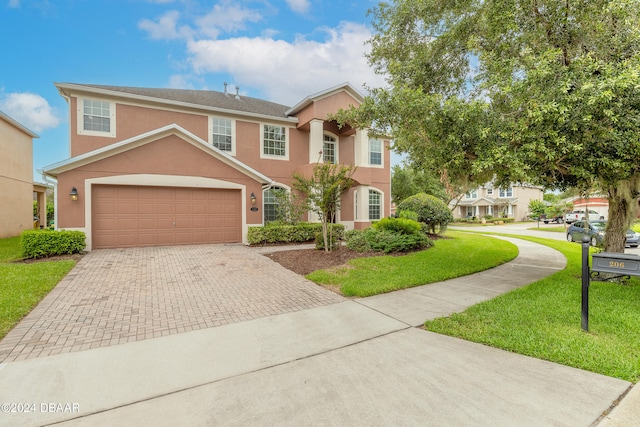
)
(130, 216)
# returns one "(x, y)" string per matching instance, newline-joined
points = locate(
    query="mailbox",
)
(616, 263)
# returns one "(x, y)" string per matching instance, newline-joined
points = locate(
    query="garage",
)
(133, 216)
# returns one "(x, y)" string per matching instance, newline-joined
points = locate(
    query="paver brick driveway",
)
(114, 296)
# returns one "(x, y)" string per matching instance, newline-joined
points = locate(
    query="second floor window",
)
(473, 194)
(329, 149)
(375, 152)
(221, 134)
(274, 141)
(96, 116)
(506, 192)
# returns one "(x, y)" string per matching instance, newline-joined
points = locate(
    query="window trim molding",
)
(233, 133)
(287, 143)
(382, 146)
(80, 118)
(381, 193)
(336, 156)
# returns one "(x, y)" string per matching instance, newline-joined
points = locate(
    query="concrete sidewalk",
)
(357, 362)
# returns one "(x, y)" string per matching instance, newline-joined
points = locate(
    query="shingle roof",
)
(205, 98)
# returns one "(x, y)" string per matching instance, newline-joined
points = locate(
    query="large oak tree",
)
(539, 91)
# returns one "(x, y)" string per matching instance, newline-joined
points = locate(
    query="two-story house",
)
(490, 201)
(153, 167)
(16, 178)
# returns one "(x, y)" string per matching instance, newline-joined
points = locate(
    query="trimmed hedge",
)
(372, 240)
(302, 232)
(44, 243)
(431, 210)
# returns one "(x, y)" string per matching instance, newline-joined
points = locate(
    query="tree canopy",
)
(541, 91)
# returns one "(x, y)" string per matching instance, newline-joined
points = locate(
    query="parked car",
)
(558, 219)
(577, 215)
(596, 233)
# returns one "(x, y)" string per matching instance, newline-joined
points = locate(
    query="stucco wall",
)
(16, 180)
(168, 156)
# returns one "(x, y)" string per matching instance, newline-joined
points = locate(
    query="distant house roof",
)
(206, 99)
(17, 125)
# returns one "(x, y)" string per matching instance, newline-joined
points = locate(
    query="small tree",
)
(537, 208)
(323, 191)
(431, 210)
(289, 207)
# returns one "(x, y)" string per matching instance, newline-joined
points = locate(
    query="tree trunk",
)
(620, 211)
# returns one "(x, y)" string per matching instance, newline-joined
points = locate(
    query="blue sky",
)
(280, 51)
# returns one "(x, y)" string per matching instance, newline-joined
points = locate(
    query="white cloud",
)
(226, 17)
(14, 3)
(166, 28)
(303, 67)
(30, 110)
(299, 6)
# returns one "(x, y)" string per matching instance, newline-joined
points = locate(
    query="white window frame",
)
(471, 194)
(335, 147)
(80, 118)
(380, 205)
(489, 191)
(286, 143)
(369, 152)
(264, 200)
(231, 152)
(508, 192)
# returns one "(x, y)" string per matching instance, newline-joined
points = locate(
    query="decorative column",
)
(316, 140)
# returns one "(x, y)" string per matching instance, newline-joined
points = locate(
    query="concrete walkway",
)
(355, 362)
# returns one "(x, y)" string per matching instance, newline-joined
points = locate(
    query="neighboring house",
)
(596, 203)
(16, 177)
(487, 200)
(155, 167)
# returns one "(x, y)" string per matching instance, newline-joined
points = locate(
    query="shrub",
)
(398, 225)
(279, 233)
(408, 215)
(385, 241)
(431, 210)
(388, 241)
(356, 240)
(335, 239)
(44, 243)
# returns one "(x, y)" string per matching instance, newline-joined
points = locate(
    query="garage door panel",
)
(165, 208)
(146, 207)
(126, 216)
(183, 208)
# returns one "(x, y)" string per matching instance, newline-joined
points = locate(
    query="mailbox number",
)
(617, 264)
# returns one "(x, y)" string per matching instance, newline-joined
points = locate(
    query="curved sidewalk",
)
(355, 362)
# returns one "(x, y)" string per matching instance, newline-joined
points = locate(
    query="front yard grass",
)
(23, 285)
(458, 255)
(542, 320)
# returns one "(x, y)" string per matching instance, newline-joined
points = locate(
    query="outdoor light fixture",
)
(253, 199)
(74, 194)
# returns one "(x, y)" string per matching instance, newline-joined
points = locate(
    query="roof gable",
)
(345, 87)
(149, 137)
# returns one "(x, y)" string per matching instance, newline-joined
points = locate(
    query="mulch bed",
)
(304, 261)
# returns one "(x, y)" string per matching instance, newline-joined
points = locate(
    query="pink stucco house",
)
(152, 167)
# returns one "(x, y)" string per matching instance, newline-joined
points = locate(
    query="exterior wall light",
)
(253, 198)
(74, 194)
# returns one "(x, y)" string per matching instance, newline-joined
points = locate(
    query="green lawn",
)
(456, 256)
(542, 320)
(22, 286)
